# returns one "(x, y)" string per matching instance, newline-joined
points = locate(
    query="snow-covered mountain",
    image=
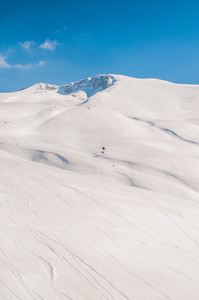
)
(82, 222)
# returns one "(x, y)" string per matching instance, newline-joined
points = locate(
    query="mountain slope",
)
(79, 222)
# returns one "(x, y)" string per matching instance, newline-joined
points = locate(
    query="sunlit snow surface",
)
(78, 224)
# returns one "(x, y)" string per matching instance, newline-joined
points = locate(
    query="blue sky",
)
(62, 41)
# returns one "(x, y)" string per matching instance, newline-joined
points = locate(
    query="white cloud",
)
(82, 37)
(41, 63)
(3, 63)
(19, 66)
(61, 29)
(28, 44)
(48, 44)
(31, 65)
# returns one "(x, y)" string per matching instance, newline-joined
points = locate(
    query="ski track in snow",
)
(169, 131)
(79, 224)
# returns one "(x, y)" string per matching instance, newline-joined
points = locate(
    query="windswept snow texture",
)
(80, 223)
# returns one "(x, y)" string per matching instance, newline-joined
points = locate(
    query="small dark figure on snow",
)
(103, 149)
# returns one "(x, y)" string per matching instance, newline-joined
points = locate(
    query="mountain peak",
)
(90, 86)
(45, 86)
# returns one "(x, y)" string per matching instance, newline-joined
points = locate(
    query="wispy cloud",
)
(41, 63)
(19, 66)
(31, 65)
(82, 36)
(3, 63)
(28, 45)
(49, 45)
(62, 29)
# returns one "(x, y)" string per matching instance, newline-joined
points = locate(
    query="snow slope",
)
(81, 225)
